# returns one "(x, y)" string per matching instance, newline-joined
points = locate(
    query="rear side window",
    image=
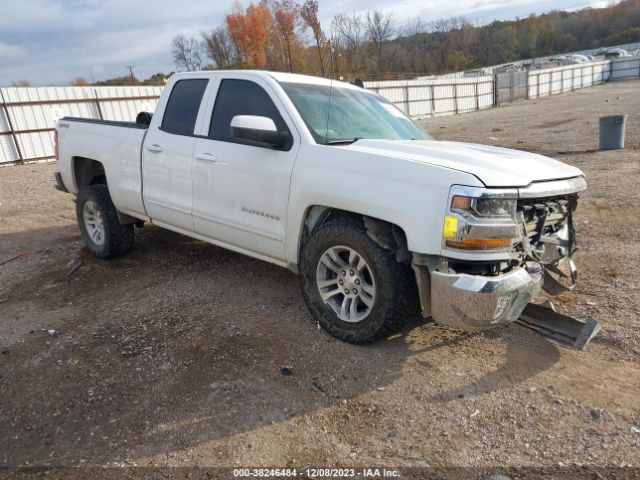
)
(241, 97)
(183, 105)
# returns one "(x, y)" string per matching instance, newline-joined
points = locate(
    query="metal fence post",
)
(455, 96)
(476, 96)
(610, 72)
(495, 89)
(406, 100)
(433, 101)
(512, 82)
(11, 129)
(95, 92)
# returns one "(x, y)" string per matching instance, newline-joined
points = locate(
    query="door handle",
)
(207, 157)
(155, 148)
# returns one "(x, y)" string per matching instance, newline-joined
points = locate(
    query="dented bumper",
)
(475, 301)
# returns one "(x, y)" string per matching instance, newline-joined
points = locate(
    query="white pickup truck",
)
(335, 183)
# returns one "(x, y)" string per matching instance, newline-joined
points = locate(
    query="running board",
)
(543, 318)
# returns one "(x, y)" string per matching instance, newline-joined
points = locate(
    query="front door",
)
(241, 191)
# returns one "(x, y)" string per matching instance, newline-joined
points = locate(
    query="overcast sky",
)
(54, 41)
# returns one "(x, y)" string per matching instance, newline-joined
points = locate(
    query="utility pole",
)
(130, 68)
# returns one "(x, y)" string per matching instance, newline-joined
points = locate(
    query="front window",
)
(336, 114)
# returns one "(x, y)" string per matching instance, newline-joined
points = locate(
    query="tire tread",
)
(119, 238)
(399, 278)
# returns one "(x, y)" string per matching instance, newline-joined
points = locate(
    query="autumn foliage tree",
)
(309, 14)
(249, 32)
(285, 14)
(287, 35)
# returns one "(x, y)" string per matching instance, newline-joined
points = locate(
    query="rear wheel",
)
(354, 288)
(99, 223)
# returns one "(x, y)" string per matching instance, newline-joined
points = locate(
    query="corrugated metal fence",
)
(624, 68)
(550, 81)
(436, 97)
(28, 115)
(449, 96)
(511, 86)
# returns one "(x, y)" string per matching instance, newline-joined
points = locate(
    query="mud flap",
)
(567, 330)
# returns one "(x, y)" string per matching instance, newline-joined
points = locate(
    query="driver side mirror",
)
(258, 131)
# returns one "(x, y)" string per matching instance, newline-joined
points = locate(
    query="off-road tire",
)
(118, 238)
(396, 292)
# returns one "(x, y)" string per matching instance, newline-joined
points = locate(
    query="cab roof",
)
(280, 77)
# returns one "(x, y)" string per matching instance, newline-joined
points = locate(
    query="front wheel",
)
(355, 288)
(99, 223)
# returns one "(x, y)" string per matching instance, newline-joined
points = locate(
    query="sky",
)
(52, 42)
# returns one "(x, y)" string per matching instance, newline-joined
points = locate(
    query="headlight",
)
(484, 207)
(480, 219)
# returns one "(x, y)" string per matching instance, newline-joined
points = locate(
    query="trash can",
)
(612, 132)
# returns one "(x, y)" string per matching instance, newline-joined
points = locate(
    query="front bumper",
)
(475, 301)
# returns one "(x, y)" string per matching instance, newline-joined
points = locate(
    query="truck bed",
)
(116, 146)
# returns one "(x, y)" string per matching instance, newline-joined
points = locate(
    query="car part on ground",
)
(569, 331)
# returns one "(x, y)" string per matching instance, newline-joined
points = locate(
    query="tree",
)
(412, 27)
(309, 14)
(187, 53)
(348, 33)
(157, 79)
(117, 81)
(249, 33)
(80, 82)
(380, 30)
(21, 83)
(285, 15)
(268, 34)
(219, 47)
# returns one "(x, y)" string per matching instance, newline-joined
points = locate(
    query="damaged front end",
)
(500, 247)
(547, 236)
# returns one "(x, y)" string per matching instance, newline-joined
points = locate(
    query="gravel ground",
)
(171, 356)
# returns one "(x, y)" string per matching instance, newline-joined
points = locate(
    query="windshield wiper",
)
(344, 141)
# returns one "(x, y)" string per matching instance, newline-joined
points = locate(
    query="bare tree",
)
(380, 30)
(187, 53)
(413, 26)
(348, 32)
(219, 48)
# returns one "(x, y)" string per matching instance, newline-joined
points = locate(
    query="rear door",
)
(241, 191)
(167, 156)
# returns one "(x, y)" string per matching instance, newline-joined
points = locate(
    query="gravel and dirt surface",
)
(171, 356)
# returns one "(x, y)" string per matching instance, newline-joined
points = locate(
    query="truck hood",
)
(493, 166)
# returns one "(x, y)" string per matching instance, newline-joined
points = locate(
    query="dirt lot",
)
(172, 354)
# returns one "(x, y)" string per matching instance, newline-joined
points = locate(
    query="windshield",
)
(343, 115)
